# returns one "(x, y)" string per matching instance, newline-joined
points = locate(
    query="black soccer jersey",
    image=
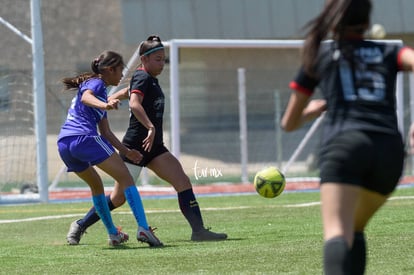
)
(153, 104)
(358, 81)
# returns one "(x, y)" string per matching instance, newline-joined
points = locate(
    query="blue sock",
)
(135, 203)
(92, 217)
(101, 206)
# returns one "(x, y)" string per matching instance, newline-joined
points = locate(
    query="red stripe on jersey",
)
(137, 92)
(295, 86)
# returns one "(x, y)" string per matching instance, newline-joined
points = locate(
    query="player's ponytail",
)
(107, 59)
(338, 16)
(74, 82)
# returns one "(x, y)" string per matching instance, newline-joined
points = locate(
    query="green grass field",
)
(266, 236)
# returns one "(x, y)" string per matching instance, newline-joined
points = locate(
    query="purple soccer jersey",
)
(82, 119)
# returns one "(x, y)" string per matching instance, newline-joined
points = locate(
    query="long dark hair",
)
(337, 16)
(107, 59)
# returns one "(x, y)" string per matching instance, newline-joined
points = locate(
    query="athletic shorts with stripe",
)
(81, 152)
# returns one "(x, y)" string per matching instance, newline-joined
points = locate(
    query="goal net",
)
(23, 156)
(17, 140)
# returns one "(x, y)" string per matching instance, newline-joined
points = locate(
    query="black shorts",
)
(156, 150)
(368, 159)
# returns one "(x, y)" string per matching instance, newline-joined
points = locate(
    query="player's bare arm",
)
(300, 110)
(89, 99)
(407, 59)
(139, 112)
(120, 95)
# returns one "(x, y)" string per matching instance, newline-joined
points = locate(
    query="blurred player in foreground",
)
(145, 134)
(362, 150)
(81, 147)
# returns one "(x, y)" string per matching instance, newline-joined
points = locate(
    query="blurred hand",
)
(149, 140)
(134, 156)
(315, 107)
(112, 104)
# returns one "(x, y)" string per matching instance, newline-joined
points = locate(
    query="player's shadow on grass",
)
(216, 241)
(121, 247)
(129, 247)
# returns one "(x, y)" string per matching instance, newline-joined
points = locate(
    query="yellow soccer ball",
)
(269, 182)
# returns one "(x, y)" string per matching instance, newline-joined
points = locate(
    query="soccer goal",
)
(226, 100)
(23, 151)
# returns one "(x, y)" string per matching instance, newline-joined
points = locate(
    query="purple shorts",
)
(81, 152)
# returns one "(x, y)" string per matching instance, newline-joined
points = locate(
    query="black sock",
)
(92, 217)
(336, 257)
(358, 254)
(190, 209)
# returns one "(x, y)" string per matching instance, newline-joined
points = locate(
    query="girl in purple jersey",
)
(81, 147)
(362, 152)
(145, 134)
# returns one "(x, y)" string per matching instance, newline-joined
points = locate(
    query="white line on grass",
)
(172, 211)
(303, 204)
(401, 198)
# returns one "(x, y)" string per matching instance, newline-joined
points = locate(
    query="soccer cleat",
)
(207, 235)
(118, 239)
(148, 236)
(75, 233)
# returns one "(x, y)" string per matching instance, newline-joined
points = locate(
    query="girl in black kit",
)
(362, 151)
(145, 134)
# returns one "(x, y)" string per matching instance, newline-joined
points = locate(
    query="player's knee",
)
(181, 184)
(118, 200)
